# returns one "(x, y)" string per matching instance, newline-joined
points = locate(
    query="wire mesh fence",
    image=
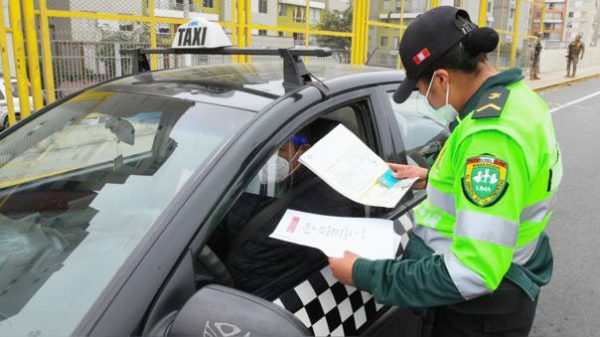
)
(80, 41)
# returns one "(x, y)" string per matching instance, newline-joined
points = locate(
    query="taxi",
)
(142, 206)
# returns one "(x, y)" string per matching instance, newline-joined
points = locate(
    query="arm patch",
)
(485, 180)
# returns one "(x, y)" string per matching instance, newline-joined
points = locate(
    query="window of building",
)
(396, 42)
(570, 14)
(179, 4)
(163, 28)
(281, 34)
(282, 9)
(315, 15)
(263, 6)
(262, 32)
(208, 3)
(384, 41)
(299, 14)
(126, 27)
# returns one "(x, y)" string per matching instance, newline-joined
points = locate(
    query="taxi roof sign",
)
(200, 34)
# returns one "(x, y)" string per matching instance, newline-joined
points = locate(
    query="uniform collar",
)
(504, 78)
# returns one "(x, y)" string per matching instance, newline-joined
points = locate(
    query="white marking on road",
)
(571, 103)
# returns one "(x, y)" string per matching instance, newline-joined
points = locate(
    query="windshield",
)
(80, 187)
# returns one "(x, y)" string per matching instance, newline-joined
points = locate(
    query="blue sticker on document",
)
(388, 179)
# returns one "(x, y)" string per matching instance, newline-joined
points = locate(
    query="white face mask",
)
(447, 113)
(269, 180)
(275, 171)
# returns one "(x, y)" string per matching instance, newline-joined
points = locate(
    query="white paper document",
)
(369, 238)
(349, 166)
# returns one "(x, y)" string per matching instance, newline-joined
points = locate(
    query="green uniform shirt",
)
(490, 196)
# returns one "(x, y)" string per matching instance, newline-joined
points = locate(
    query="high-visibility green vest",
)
(492, 188)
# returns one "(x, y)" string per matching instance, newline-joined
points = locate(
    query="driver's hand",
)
(410, 171)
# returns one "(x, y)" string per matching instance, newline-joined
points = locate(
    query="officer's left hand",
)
(342, 267)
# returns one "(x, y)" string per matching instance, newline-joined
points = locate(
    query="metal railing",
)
(62, 46)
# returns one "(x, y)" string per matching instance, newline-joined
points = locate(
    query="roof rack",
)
(295, 73)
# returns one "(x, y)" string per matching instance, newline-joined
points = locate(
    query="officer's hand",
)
(410, 171)
(342, 267)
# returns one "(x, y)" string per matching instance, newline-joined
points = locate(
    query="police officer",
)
(478, 253)
(574, 54)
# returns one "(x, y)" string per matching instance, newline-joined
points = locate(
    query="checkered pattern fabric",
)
(329, 308)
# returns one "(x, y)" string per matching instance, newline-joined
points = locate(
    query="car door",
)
(323, 305)
(327, 312)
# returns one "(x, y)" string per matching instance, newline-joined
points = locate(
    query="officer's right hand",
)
(410, 171)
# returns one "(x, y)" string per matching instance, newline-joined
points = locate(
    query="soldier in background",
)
(535, 58)
(574, 54)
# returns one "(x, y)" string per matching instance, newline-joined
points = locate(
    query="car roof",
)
(248, 86)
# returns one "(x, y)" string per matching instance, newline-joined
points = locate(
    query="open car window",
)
(295, 277)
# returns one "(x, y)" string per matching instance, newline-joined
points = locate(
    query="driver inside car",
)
(258, 264)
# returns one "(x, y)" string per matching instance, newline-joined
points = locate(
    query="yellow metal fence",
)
(59, 47)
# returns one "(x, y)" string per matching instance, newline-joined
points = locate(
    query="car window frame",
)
(413, 197)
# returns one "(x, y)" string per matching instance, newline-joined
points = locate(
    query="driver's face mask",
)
(271, 179)
(275, 170)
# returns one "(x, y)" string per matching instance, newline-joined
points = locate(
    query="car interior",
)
(267, 267)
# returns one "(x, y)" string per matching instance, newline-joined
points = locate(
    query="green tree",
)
(336, 21)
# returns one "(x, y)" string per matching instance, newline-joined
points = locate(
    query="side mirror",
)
(217, 311)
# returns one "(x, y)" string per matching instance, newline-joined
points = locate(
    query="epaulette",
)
(491, 103)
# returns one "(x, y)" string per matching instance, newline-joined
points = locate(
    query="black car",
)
(142, 206)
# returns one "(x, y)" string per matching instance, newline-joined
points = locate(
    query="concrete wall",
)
(554, 59)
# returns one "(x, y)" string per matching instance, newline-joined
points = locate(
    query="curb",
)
(566, 83)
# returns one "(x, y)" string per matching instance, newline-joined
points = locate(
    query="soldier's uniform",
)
(535, 61)
(574, 54)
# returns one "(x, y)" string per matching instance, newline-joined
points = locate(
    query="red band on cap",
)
(421, 56)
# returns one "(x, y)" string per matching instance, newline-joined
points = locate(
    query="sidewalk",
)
(554, 79)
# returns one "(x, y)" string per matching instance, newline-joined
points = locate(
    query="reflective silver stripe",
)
(468, 282)
(538, 212)
(485, 227)
(433, 239)
(441, 200)
(524, 253)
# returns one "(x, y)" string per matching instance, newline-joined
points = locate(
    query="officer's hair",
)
(467, 54)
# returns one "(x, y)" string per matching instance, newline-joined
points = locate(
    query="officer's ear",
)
(441, 80)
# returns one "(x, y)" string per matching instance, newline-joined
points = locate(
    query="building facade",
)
(582, 18)
(549, 17)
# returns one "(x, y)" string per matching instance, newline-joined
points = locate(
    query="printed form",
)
(369, 238)
(349, 166)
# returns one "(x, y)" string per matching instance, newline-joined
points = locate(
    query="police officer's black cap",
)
(426, 39)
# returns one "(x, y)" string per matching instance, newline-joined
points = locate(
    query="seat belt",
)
(269, 212)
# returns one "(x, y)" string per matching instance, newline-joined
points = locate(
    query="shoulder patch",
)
(485, 182)
(491, 103)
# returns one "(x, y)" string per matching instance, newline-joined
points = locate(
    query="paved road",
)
(570, 305)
